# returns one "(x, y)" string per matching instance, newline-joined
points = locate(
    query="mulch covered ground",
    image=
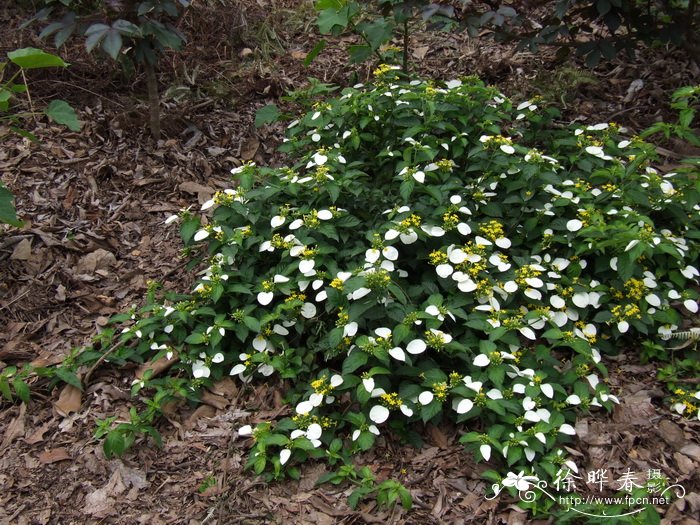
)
(94, 203)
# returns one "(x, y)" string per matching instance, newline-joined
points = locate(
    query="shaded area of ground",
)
(95, 202)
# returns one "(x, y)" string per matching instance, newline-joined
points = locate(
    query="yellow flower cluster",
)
(391, 400)
(309, 253)
(268, 286)
(378, 280)
(343, 317)
(635, 288)
(582, 185)
(434, 340)
(450, 221)
(629, 311)
(437, 257)
(412, 221)
(440, 391)
(321, 386)
(383, 69)
(455, 379)
(278, 242)
(295, 296)
(492, 230)
(337, 284)
(445, 164)
(525, 272)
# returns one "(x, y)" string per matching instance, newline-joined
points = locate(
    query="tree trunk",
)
(153, 100)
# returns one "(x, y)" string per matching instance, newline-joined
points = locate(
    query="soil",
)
(94, 204)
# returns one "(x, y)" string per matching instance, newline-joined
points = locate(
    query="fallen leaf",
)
(15, 429)
(297, 54)
(22, 251)
(671, 434)
(692, 451)
(225, 387)
(420, 52)
(214, 400)
(437, 436)
(634, 410)
(38, 435)
(202, 411)
(249, 148)
(54, 455)
(158, 367)
(100, 259)
(69, 400)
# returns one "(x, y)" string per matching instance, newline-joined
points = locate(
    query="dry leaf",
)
(225, 387)
(249, 148)
(15, 429)
(23, 251)
(214, 400)
(98, 260)
(634, 410)
(202, 411)
(297, 54)
(420, 52)
(69, 400)
(158, 367)
(38, 435)
(54, 455)
(437, 436)
(672, 434)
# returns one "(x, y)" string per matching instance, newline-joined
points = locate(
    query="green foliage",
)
(387, 493)
(377, 23)
(132, 31)
(58, 110)
(434, 251)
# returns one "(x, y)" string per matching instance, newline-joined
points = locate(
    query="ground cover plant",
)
(434, 251)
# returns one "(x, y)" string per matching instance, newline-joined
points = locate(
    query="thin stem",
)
(29, 96)
(406, 40)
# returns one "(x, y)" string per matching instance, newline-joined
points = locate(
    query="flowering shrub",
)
(435, 251)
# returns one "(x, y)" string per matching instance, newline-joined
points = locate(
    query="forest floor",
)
(94, 204)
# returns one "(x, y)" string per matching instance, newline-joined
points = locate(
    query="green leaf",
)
(21, 389)
(114, 444)
(267, 115)
(112, 43)
(62, 113)
(69, 377)
(320, 46)
(354, 361)
(32, 58)
(8, 214)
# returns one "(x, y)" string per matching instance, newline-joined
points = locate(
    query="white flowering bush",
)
(434, 251)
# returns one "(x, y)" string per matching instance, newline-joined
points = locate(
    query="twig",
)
(29, 96)
(104, 356)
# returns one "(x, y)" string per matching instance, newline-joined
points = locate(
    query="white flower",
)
(574, 225)
(200, 369)
(397, 353)
(379, 414)
(265, 298)
(520, 481)
(285, 453)
(461, 406)
(690, 272)
(372, 255)
(308, 310)
(567, 429)
(481, 360)
(245, 430)
(573, 399)
(201, 235)
(425, 398)
(350, 329)
(417, 346)
(277, 221)
(507, 149)
(304, 407)
(390, 253)
(360, 293)
(419, 176)
(368, 383)
(306, 266)
(324, 215)
(485, 451)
